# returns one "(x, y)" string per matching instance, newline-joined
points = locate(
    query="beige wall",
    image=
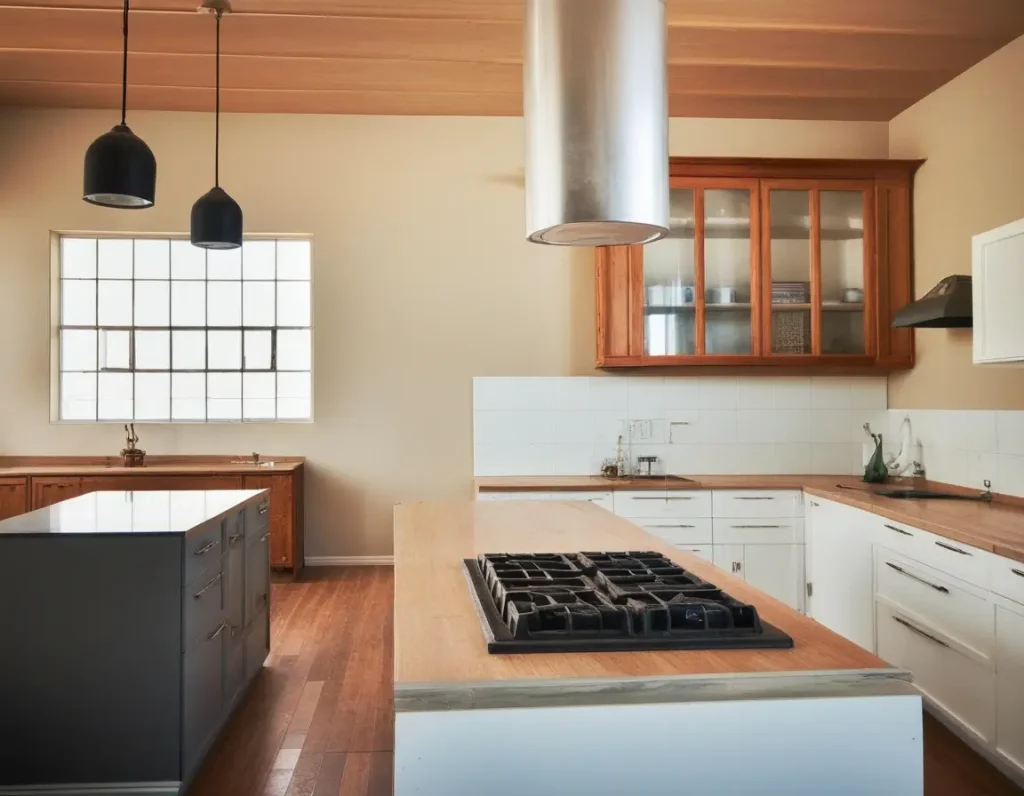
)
(971, 131)
(422, 280)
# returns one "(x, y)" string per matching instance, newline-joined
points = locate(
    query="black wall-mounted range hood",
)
(948, 305)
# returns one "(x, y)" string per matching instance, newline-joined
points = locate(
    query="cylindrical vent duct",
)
(594, 93)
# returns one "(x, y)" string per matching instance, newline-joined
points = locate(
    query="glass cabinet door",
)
(816, 269)
(727, 283)
(842, 272)
(669, 283)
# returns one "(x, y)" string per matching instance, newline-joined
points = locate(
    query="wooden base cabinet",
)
(13, 497)
(785, 263)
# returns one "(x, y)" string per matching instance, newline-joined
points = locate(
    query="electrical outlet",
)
(640, 431)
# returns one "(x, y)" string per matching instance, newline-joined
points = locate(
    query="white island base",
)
(853, 744)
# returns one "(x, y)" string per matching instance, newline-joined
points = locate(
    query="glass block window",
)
(155, 329)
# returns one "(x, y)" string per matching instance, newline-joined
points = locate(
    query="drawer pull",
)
(234, 538)
(954, 549)
(758, 526)
(664, 498)
(1017, 572)
(667, 525)
(919, 631)
(206, 548)
(265, 536)
(759, 497)
(816, 505)
(223, 626)
(912, 576)
(264, 508)
(898, 530)
(208, 586)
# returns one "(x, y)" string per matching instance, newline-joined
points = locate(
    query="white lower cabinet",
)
(775, 569)
(944, 671)
(840, 570)
(1010, 683)
(703, 551)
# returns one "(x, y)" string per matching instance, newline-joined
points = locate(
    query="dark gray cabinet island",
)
(131, 625)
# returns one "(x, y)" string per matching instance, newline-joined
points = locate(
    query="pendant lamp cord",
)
(216, 112)
(124, 65)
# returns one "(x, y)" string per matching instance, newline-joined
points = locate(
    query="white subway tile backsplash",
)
(716, 392)
(793, 393)
(756, 426)
(493, 393)
(832, 425)
(982, 466)
(534, 393)
(537, 426)
(829, 392)
(681, 393)
(573, 428)
(645, 396)
(868, 394)
(793, 457)
(1010, 432)
(981, 431)
(1011, 474)
(608, 394)
(755, 393)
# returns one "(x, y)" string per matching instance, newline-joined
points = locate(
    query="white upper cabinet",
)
(998, 284)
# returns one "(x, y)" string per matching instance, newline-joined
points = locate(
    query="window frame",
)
(56, 327)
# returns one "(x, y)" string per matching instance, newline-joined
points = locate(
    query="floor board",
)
(319, 719)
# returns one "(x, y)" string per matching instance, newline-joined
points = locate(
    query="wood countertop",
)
(440, 645)
(213, 468)
(997, 527)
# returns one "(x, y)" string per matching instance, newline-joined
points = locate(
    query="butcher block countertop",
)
(441, 658)
(997, 527)
(40, 469)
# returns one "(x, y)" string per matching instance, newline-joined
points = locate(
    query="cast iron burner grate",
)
(593, 602)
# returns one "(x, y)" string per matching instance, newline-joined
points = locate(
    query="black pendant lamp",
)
(120, 170)
(216, 217)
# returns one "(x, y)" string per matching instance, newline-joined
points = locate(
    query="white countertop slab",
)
(144, 512)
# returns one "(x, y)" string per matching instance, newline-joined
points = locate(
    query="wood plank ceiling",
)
(793, 59)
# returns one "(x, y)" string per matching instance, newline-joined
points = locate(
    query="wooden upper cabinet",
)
(768, 262)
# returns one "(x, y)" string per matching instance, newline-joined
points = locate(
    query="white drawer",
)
(602, 499)
(759, 531)
(659, 503)
(941, 602)
(961, 686)
(689, 531)
(700, 550)
(755, 503)
(953, 558)
(1008, 578)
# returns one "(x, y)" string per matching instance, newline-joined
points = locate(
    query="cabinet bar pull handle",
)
(663, 498)
(234, 538)
(218, 631)
(898, 530)
(265, 536)
(749, 497)
(1017, 572)
(264, 508)
(206, 548)
(912, 576)
(816, 505)
(666, 525)
(919, 631)
(954, 549)
(208, 586)
(759, 526)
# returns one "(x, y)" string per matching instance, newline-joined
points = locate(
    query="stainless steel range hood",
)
(596, 108)
(946, 306)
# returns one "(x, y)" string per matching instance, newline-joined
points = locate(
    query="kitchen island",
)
(823, 717)
(133, 623)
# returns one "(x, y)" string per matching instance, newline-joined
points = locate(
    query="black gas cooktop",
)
(595, 602)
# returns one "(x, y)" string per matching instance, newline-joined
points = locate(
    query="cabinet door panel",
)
(958, 684)
(281, 512)
(257, 644)
(730, 558)
(257, 578)
(13, 497)
(670, 283)
(203, 695)
(777, 570)
(47, 491)
(234, 576)
(1010, 684)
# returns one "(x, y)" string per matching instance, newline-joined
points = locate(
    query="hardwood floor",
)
(319, 719)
